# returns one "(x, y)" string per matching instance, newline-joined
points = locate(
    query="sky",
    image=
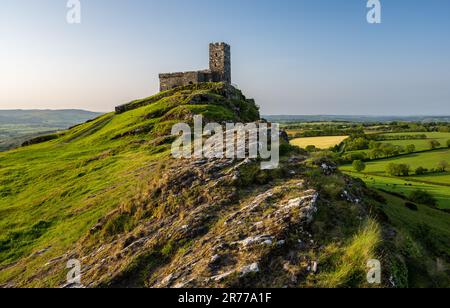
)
(293, 56)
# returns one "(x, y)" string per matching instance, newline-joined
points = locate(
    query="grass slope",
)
(424, 238)
(52, 193)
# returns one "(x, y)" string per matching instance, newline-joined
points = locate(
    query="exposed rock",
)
(221, 277)
(215, 259)
(226, 240)
(41, 252)
(256, 240)
(252, 268)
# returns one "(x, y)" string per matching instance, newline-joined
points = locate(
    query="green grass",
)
(438, 184)
(428, 160)
(405, 187)
(421, 144)
(438, 221)
(347, 265)
(68, 185)
(424, 238)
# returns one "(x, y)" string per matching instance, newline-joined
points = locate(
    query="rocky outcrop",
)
(224, 236)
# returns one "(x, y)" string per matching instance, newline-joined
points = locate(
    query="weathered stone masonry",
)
(219, 70)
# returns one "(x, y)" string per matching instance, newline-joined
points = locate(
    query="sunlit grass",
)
(347, 265)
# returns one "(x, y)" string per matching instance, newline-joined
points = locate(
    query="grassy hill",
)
(109, 194)
(18, 126)
(52, 193)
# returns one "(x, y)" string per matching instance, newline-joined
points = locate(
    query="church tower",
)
(220, 62)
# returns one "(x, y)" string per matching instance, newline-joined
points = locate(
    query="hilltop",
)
(108, 193)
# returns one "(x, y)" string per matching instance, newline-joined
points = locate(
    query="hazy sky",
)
(293, 57)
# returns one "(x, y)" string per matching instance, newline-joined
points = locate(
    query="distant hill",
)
(17, 126)
(353, 118)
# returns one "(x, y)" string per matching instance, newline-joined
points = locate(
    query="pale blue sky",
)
(294, 57)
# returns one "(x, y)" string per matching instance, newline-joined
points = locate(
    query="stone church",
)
(219, 70)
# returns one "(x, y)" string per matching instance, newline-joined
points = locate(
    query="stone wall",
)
(174, 80)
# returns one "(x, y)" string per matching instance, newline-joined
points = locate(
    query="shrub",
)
(411, 206)
(116, 225)
(423, 197)
(287, 149)
(425, 234)
(359, 166)
(311, 148)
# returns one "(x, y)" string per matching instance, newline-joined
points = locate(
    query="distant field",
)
(17, 126)
(427, 160)
(437, 184)
(319, 142)
(421, 144)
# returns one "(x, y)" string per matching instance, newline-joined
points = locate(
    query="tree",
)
(434, 144)
(375, 145)
(404, 169)
(376, 153)
(398, 169)
(356, 144)
(392, 169)
(421, 171)
(390, 150)
(410, 148)
(443, 166)
(359, 165)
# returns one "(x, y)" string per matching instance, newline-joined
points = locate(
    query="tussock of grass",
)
(347, 265)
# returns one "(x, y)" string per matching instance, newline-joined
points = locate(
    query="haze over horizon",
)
(301, 58)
